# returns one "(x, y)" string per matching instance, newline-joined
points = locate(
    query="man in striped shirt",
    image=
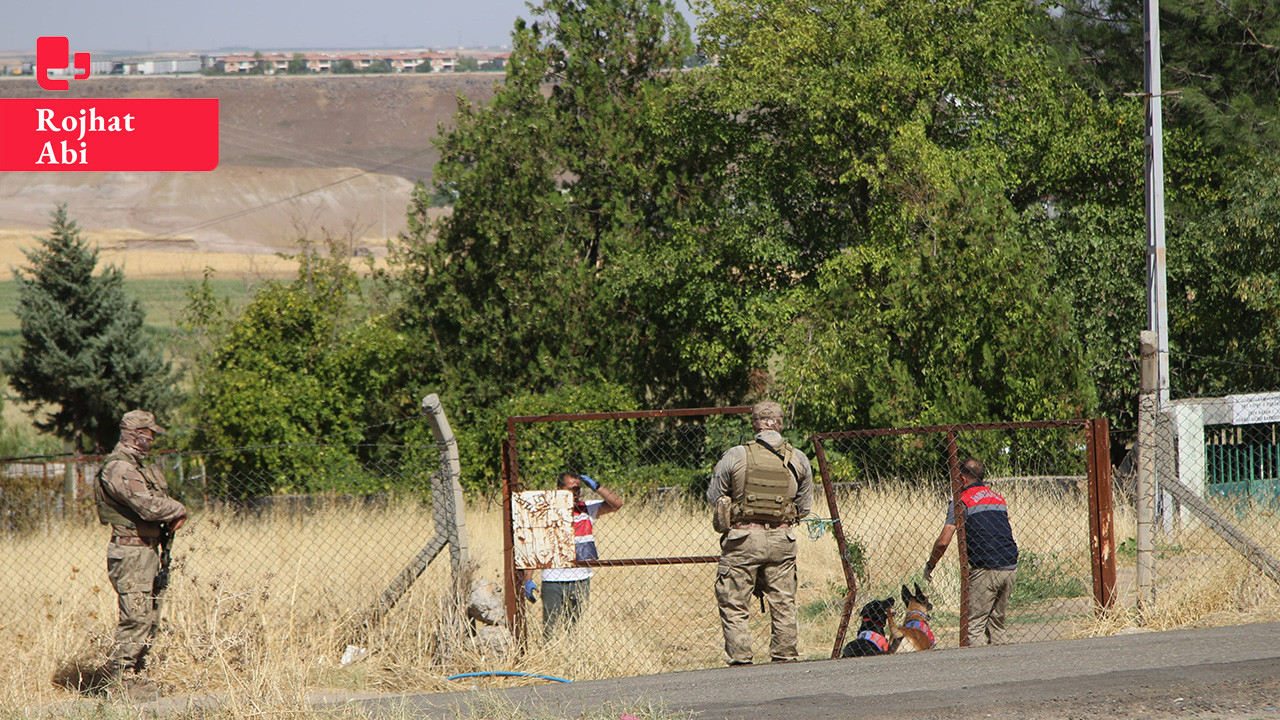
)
(565, 590)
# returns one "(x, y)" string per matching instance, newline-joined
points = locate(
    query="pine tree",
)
(84, 359)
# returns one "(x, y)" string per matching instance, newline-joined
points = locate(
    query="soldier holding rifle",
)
(133, 498)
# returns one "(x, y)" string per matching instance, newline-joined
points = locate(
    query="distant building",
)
(154, 65)
(492, 61)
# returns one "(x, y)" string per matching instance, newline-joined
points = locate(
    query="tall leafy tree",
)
(893, 145)
(84, 358)
(1220, 63)
(1221, 79)
(550, 189)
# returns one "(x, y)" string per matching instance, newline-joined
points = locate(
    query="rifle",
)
(166, 544)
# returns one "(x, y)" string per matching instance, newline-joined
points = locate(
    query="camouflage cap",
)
(139, 419)
(767, 409)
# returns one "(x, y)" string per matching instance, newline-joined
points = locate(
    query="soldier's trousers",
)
(133, 573)
(766, 557)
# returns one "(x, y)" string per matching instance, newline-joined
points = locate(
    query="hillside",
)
(313, 154)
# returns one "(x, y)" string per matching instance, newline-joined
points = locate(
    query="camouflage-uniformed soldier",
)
(133, 498)
(769, 486)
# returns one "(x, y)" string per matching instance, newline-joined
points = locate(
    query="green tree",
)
(466, 63)
(295, 391)
(549, 189)
(1224, 292)
(84, 358)
(892, 148)
(1220, 63)
(298, 64)
(378, 67)
(344, 67)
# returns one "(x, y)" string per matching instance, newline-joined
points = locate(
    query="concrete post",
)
(1148, 399)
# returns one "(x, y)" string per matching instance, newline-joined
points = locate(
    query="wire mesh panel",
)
(271, 570)
(652, 605)
(1214, 549)
(892, 490)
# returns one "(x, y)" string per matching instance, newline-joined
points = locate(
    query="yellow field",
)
(141, 259)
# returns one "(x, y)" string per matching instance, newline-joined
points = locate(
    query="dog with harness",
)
(877, 634)
(915, 633)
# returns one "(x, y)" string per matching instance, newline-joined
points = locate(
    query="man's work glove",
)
(928, 572)
(530, 591)
(590, 483)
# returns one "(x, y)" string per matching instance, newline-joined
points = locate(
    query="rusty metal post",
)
(1101, 513)
(842, 545)
(512, 590)
(953, 468)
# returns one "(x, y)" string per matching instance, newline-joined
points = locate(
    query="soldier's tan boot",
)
(140, 689)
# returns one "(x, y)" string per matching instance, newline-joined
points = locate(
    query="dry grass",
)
(261, 608)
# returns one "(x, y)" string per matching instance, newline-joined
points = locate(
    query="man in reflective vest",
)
(768, 486)
(133, 498)
(992, 553)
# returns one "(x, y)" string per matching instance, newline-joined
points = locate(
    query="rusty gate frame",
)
(511, 484)
(1101, 512)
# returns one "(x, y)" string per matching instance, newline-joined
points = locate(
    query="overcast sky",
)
(155, 25)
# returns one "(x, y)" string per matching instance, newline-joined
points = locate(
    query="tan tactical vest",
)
(111, 511)
(767, 494)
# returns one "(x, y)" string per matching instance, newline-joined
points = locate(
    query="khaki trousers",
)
(766, 557)
(989, 592)
(133, 571)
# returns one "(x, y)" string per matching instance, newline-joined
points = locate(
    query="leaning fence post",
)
(446, 503)
(447, 488)
(842, 545)
(1146, 466)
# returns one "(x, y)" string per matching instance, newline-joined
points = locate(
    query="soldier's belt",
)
(135, 541)
(758, 525)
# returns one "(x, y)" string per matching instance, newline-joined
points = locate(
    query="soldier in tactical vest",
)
(760, 490)
(133, 498)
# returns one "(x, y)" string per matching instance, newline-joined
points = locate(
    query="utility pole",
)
(1157, 297)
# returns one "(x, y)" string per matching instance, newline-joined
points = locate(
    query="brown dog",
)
(914, 632)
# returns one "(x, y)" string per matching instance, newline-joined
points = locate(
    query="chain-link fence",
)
(652, 605)
(269, 574)
(1210, 547)
(891, 491)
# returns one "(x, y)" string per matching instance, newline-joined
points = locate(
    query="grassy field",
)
(157, 278)
(261, 606)
(163, 299)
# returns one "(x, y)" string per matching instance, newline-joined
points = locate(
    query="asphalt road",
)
(1212, 673)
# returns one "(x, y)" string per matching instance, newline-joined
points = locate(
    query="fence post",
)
(446, 511)
(69, 479)
(512, 592)
(449, 487)
(842, 545)
(953, 468)
(1101, 513)
(1147, 398)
